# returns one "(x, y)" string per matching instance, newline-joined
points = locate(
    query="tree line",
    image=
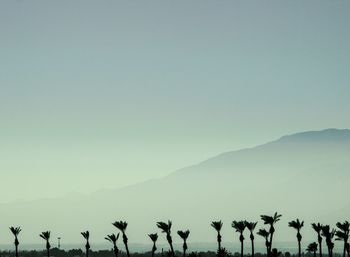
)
(323, 232)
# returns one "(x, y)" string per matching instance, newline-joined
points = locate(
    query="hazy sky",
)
(98, 94)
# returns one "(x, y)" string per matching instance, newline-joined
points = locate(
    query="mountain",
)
(304, 175)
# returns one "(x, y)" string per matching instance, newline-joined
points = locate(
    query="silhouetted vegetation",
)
(323, 231)
(86, 235)
(122, 225)
(239, 226)
(46, 236)
(312, 248)
(217, 225)
(318, 228)
(343, 235)
(328, 234)
(154, 238)
(251, 226)
(297, 224)
(113, 239)
(15, 231)
(184, 235)
(271, 220)
(166, 228)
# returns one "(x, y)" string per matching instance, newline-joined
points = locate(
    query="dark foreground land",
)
(55, 252)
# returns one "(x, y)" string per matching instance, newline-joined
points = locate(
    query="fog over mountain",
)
(304, 175)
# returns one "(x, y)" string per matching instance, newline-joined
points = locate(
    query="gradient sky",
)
(98, 94)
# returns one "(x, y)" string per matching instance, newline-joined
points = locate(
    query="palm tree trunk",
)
(299, 249)
(320, 245)
(172, 250)
(270, 245)
(252, 248)
(125, 240)
(344, 250)
(48, 252)
(16, 251)
(241, 238)
(87, 252)
(115, 251)
(219, 241)
(314, 253)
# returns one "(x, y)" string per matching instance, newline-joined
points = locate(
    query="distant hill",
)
(304, 175)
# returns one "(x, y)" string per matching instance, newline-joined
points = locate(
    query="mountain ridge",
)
(243, 184)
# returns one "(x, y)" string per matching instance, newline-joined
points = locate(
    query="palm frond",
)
(86, 234)
(312, 247)
(217, 225)
(112, 238)
(15, 230)
(153, 237)
(317, 227)
(45, 235)
(165, 227)
(239, 225)
(263, 232)
(344, 227)
(297, 224)
(251, 225)
(183, 234)
(121, 225)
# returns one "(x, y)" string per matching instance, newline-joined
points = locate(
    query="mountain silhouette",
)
(301, 175)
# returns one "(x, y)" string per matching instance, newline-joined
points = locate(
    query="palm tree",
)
(318, 228)
(251, 226)
(312, 248)
(328, 234)
(113, 239)
(271, 220)
(217, 225)
(166, 228)
(86, 235)
(184, 235)
(297, 224)
(154, 238)
(239, 226)
(343, 234)
(15, 231)
(122, 225)
(265, 234)
(46, 236)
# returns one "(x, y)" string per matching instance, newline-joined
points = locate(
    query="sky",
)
(103, 94)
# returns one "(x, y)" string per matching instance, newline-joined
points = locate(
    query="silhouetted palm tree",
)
(318, 228)
(343, 234)
(154, 238)
(184, 235)
(122, 225)
(46, 236)
(166, 228)
(251, 226)
(265, 234)
(217, 225)
(239, 226)
(312, 248)
(15, 231)
(113, 239)
(297, 224)
(86, 235)
(328, 233)
(271, 220)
